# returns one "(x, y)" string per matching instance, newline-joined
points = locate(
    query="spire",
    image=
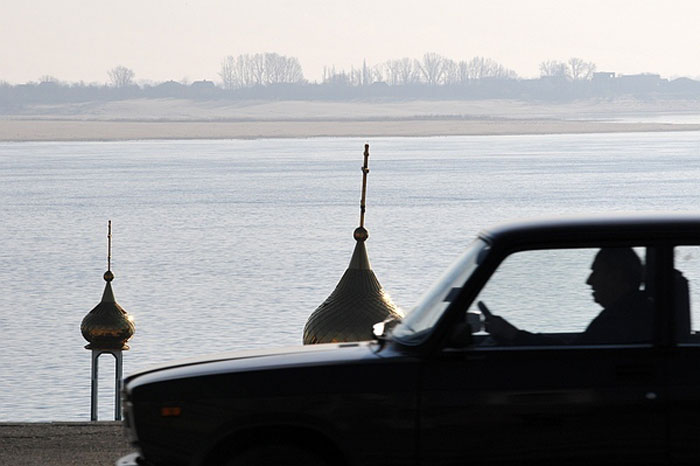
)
(358, 301)
(107, 326)
(360, 259)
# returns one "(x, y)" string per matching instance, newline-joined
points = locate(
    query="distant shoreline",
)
(43, 129)
(171, 119)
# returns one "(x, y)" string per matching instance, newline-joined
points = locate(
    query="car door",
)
(549, 395)
(684, 360)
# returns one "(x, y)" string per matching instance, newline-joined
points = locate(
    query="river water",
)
(225, 245)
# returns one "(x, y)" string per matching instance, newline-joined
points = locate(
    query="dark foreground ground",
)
(62, 443)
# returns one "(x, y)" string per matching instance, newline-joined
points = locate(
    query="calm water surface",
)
(225, 245)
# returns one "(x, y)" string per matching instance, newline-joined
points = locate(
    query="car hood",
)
(293, 356)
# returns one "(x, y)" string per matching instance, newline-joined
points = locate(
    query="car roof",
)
(619, 227)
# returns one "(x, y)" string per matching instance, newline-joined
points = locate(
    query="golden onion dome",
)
(358, 301)
(107, 325)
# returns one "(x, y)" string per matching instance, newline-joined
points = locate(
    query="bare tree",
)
(435, 70)
(240, 71)
(331, 76)
(228, 73)
(400, 72)
(451, 72)
(377, 73)
(553, 68)
(463, 71)
(580, 70)
(432, 68)
(482, 68)
(259, 69)
(48, 79)
(293, 72)
(408, 71)
(244, 71)
(274, 68)
(365, 75)
(356, 76)
(121, 76)
(391, 68)
(504, 73)
(280, 69)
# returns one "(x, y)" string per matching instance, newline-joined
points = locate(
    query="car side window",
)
(686, 294)
(588, 296)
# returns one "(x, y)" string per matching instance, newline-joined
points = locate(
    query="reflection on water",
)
(224, 245)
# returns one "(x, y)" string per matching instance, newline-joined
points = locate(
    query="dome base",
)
(93, 346)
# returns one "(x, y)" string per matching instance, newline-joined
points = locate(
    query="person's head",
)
(615, 272)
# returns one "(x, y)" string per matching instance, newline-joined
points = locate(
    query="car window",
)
(419, 322)
(567, 296)
(686, 297)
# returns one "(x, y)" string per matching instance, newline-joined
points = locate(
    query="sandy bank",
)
(360, 110)
(76, 130)
(186, 119)
(62, 443)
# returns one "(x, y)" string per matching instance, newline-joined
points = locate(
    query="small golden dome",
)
(107, 326)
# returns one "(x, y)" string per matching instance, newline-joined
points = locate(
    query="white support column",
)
(118, 369)
(95, 379)
(118, 385)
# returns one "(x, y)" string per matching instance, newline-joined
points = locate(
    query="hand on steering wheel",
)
(497, 326)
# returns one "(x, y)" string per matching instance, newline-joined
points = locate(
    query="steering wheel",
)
(504, 325)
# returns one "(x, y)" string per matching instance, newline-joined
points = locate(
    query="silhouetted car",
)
(565, 377)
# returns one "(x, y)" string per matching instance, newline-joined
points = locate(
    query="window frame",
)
(499, 253)
(671, 300)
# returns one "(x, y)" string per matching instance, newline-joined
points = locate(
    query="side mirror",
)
(381, 329)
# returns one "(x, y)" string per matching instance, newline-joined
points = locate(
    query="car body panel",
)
(433, 403)
(539, 405)
(225, 398)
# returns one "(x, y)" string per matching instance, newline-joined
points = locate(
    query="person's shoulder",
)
(636, 299)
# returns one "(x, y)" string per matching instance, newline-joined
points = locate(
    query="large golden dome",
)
(358, 301)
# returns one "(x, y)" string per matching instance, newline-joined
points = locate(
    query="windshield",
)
(417, 325)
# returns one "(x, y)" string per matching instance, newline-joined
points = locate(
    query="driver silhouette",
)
(627, 315)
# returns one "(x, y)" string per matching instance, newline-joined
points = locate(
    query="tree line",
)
(433, 76)
(433, 69)
(260, 69)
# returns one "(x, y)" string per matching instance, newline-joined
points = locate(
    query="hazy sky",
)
(77, 40)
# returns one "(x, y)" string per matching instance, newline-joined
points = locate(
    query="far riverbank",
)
(17, 130)
(163, 119)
